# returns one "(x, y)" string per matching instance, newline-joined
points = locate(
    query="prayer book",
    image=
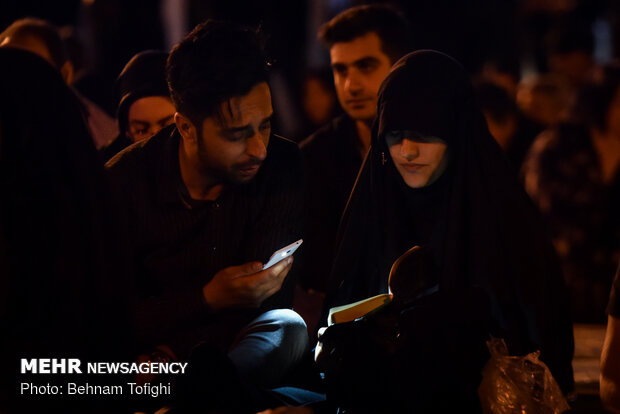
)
(412, 275)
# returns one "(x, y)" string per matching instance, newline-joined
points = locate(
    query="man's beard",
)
(227, 176)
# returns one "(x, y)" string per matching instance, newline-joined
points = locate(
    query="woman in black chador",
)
(63, 272)
(435, 177)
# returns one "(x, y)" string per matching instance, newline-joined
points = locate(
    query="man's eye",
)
(265, 126)
(340, 70)
(234, 137)
(367, 67)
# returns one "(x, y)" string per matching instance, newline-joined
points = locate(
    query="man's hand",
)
(245, 286)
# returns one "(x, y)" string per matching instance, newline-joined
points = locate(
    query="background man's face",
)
(359, 68)
(232, 149)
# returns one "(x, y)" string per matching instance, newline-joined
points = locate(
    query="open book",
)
(412, 275)
(352, 311)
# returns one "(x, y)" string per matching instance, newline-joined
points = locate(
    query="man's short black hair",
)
(41, 30)
(387, 22)
(214, 63)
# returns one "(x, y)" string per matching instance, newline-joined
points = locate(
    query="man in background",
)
(364, 42)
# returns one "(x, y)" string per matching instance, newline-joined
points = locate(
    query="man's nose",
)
(353, 83)
(257, 146)
(409, 149)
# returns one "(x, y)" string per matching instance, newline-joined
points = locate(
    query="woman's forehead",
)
(413, 135)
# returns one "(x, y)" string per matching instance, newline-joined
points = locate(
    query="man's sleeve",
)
(154, 316)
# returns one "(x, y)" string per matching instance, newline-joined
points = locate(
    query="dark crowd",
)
(448, 170)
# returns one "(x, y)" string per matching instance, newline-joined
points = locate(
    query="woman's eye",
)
(393, 137)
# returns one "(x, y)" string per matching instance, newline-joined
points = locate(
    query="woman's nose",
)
(409, 149)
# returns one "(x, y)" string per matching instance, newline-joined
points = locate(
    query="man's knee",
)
(293, 332)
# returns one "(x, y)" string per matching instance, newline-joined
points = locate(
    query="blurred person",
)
(363, 43)
(503, 73)
(510, 128)
(545, 99)
(569, 48)
(572, 173)
(209, 199)
(63, 269)
(42, 38)
(145, 106)
(610, 356)
(319, 101)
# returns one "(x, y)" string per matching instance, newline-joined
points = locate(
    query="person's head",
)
(569, 49)
(41, 38)
(426, 106)
(318, 97)
(598, 102)
(544, 98)
(419, 159)
(500, 111)
(144, 105)
(363, 43)
(218, 82)
(503, 72)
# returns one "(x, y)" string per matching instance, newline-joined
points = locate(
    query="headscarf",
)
(476, 218)
(144, 75)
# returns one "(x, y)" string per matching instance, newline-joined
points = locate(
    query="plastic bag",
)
(522, 385)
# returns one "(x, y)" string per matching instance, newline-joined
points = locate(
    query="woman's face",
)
(419, 160)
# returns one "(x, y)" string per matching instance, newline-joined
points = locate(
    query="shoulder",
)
(114, 147)
(282, 166)
(281, 147)
(140, 153)
(282, 155)
(142, 165)
(326, 135)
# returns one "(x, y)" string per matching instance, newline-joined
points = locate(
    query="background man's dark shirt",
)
(332, 160)
(178, 244)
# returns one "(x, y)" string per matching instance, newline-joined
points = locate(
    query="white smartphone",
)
(282, 254)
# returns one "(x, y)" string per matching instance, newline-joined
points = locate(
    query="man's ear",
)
(186, 127)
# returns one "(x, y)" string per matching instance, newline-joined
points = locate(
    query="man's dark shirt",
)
(613, 308)
(332, 160)
(178, 244)
(120, 143)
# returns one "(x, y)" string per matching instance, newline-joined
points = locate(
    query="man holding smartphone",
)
(209, 199)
